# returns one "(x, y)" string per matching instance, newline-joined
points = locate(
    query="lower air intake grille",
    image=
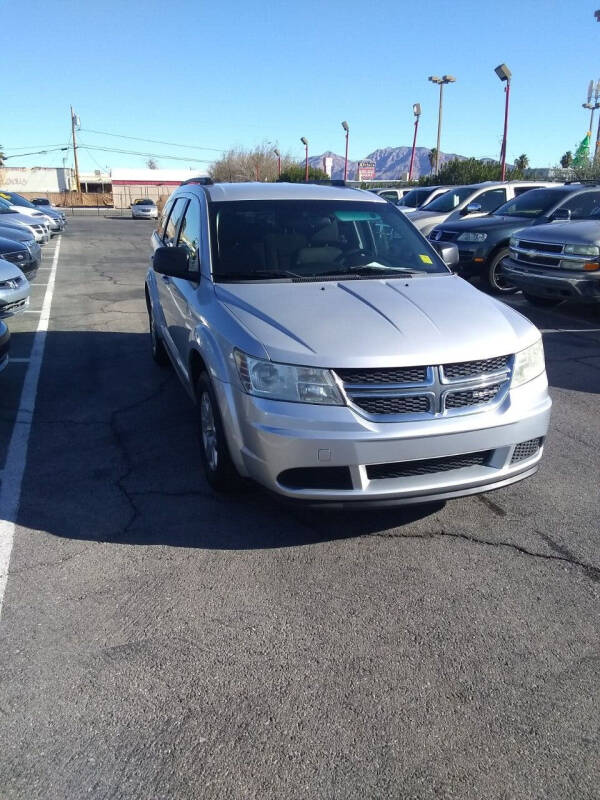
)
(406, 469)
(470, 369)
(526, 450)
(471, 397)
(393, 405)
(316, 478)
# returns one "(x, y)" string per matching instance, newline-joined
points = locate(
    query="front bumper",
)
(4, 345)
(144, 215)
(267, 439)
(554, 283)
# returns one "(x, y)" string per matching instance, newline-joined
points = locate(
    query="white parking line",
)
(16, 458)
(32, 311)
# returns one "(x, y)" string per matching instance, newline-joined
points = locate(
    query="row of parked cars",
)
(25, 227)
(558, 259)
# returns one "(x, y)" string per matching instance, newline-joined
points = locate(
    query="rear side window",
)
(389, 195)
(175, 216)
(189, 232)
(489, 201)
(522, 189)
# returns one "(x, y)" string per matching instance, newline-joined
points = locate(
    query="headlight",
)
(582, 250)
(286, 382)
(467, 236)
(529, 363)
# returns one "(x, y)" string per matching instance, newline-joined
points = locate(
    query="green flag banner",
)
(582, 155)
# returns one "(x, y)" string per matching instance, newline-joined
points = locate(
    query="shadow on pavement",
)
(113, 456)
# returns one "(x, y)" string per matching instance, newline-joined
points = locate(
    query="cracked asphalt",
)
(161, 642)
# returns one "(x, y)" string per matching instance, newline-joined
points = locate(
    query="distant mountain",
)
(391, 163)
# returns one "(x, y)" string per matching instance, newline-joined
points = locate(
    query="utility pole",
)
(73, 118)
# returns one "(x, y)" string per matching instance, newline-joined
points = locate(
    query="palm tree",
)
(432, 156)
(522, 162)
(566, 160)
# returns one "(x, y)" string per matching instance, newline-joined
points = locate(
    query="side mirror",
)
(563, 214)
(472, 208)
(447, 251)
(173, 261)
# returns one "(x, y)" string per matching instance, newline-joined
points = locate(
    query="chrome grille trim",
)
(480, 385)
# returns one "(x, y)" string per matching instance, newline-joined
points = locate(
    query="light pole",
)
(347, 129)
(417, 113)
(504, 74)
(304, 141)
(278, 154)
(441, 81)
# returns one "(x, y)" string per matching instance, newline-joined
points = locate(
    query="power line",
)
(145, 155)
(153, 141)
(27, 146)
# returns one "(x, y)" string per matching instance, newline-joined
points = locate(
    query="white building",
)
(31, 180)
(129, 184)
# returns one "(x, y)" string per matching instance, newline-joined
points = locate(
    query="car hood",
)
(16, 216)
(9, 271)
(16, 233)
(365, 323)
(576, 232)
(490, 222)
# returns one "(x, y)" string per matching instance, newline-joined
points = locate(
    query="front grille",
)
(410, 404)
(472, 369)
(422, 389)
(543, 247)
(380, 376)
(544, 261)
(526, 450)
(429, 466)
(316, 478)
(472, 397)
(12, 308)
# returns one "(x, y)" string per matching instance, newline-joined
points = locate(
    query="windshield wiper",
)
(257, 274)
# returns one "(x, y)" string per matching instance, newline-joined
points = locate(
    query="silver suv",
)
(332, 354)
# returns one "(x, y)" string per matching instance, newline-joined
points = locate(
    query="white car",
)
(14, 290)
(37, 224)
(144, 209)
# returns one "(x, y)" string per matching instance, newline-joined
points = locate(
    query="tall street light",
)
(504, 74)
(592, 106)
(441, 81)
(417, 113)
(304, 141)
(347, 129)
(278, 154)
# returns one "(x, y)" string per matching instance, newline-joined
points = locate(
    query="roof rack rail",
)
(201, 181)
(340, 182)
(593, 181)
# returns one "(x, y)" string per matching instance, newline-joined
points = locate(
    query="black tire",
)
(159, 352)
(495, 280)
(541, 302)
(214, 453)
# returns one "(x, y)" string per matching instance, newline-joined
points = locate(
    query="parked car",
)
(392, 194)
(558, 261)
(19, 253)
(38, 226)
(483, 242)
(332, 354)
(56, 221)
(24, 236)
(144, 209)
(14, 290)
(4, 345)
(419, 196)
(473, 200)
(42, 203)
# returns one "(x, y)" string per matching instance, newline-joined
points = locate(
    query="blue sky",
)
(215, 75)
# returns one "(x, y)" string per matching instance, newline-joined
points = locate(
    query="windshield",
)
(415, 197)
(144, 202)
(449, 200)
(312, 239)
(16, 199)
(531, 204)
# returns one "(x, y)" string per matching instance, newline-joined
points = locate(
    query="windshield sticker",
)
(425, 259)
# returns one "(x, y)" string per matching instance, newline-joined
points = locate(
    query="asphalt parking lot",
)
(159, 641)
